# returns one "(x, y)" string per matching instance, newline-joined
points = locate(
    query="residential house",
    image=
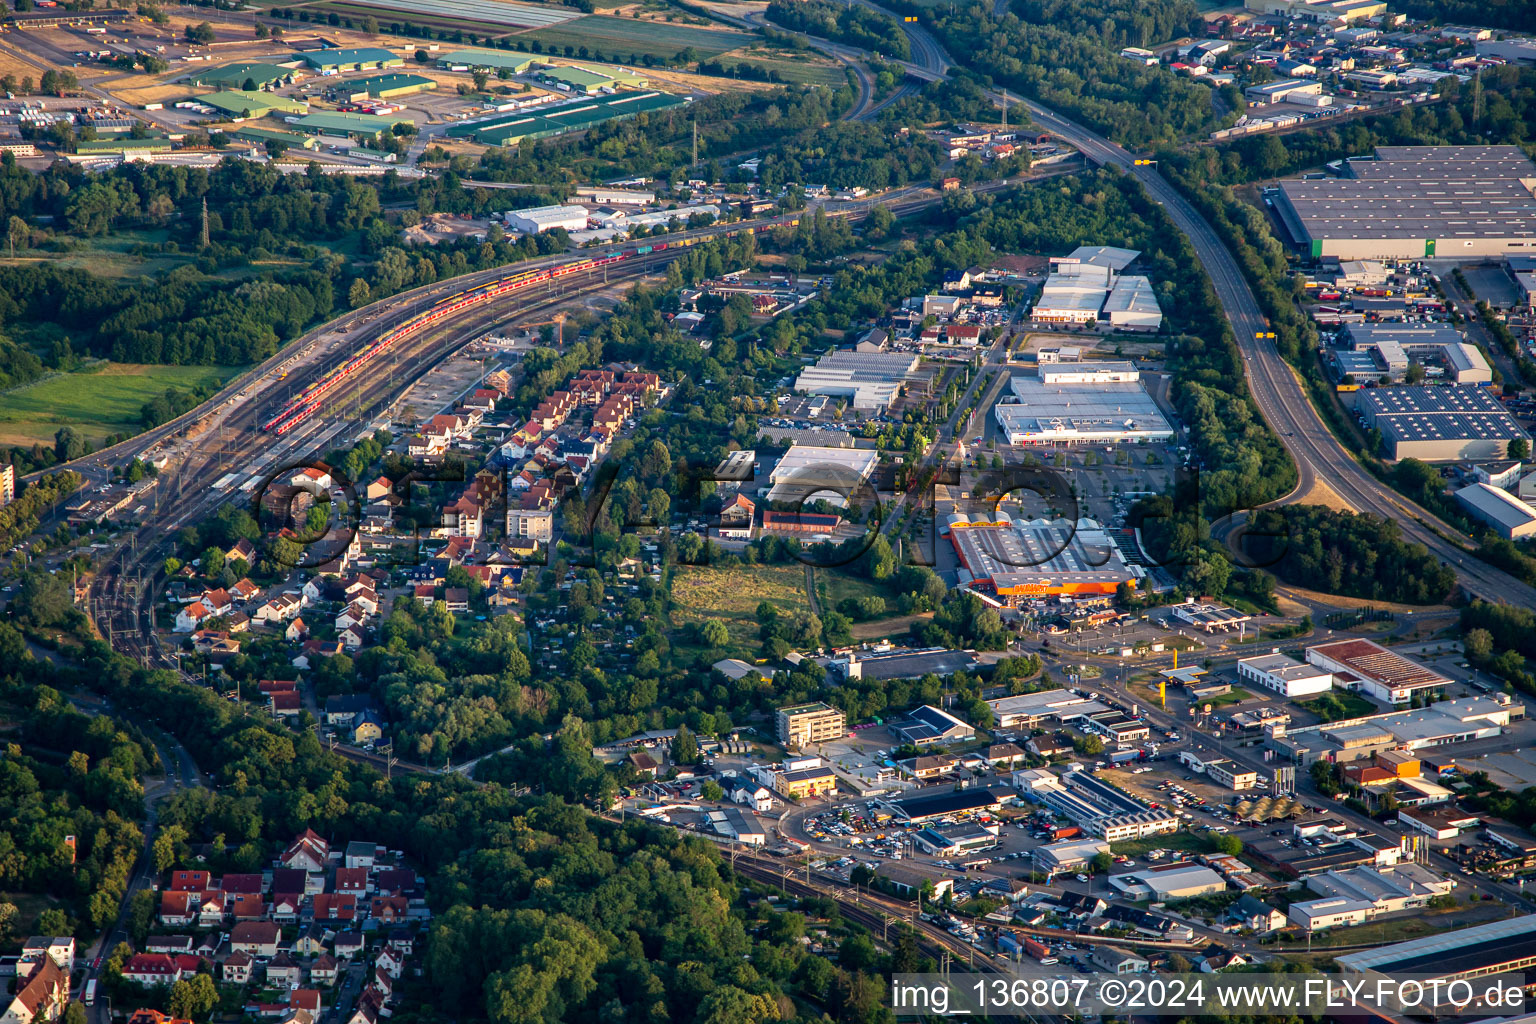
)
(147, 1015)
(296, 631)
(336, 907)
(342, 709)
(279, 609)
(306, 999)
(390, 961)
(311, 941)
(308, 851)
(351, 638)
(177, 908)
(174, 944)
(324, 970)
(380, 488)
(210, 912)
(367, 728)
(389, 909)
(287, 704)
(352, 880)
(157, 968)
(60, 949)
(285, 907)
(1253, 913)
(456, 599)
(41, 994)
(258, 938)
(242, 884)
(283, 971)
(190, 617)
(237, 967)
(241, 551)
(347, 945)
(361, 853)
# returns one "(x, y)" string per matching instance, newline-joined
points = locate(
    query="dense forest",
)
(1347, 554)
(848, 24)
(1069, 60)
(64, 773)
(1515, 14)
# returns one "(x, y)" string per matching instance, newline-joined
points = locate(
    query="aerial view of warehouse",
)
(1412, 202)
(1018, 559)
(1081, 403)
(1089, 286)
(1437, 424)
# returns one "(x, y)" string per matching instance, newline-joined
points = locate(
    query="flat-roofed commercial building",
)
(1369, 667)
(808, 473)
(1523, 270)
(329, 61)
(1439, 424)
(1507, 514)
(1507, 946)
(1353, 739)
(1284, 675)
(1397, 345)
(547, 218)
(1112, 372)
(919, 809)
(1174, 882)
(1282, 91)
(1132, 305)
(1028, 710)
(805, 782)
(803, 725)
(1094, 805)
(1068, 855)
(1039, 558)
(1229, 773)
(1108, 412)
(1416, 202)
(871, 381)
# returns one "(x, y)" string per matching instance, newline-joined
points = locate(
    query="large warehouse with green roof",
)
(510, 129)
(243, 75)
(387, 87)
(239, 103)
(365, 125)
(330, 61)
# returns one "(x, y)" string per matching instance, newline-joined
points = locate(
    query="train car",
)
(299, 407)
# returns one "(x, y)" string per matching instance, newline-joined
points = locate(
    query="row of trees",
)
(1348, 554)
(849, 24)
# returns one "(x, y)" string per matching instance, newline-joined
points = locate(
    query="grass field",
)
(618, 38)
(702, 592)
(800, 72)
(95, 404)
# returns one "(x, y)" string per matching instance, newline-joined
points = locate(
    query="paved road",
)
(1276, 389)
(181, 773)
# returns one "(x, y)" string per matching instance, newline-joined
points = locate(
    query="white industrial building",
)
(619, 220)
(1355, 895)
(1443, 723)
(1108, 406)
(547, 218)
(1510, 517)
(1117, 372)
(1417, 202)
(871, 381)
(599, 196)
(1436, 424)
(1132, 305)
(1283, 91)
(1284, 675)
(1087, 286)
(1175, 882)
(1396, 345)
(810, 473)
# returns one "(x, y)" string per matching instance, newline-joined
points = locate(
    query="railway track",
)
(121, 597)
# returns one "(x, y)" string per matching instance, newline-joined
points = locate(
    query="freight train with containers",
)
(307, 402)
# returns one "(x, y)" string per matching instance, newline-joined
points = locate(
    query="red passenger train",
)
(301, 406)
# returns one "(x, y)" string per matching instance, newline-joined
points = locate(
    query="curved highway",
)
(1276, 389)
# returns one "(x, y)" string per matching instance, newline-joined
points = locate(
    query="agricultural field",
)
(620, 38)
(506, 13)
(732, 595)
(96, 402)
